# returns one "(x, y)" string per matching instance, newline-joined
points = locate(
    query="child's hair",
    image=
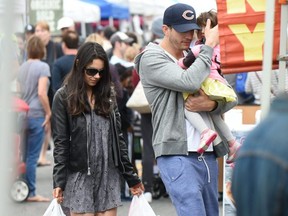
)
(202, 18)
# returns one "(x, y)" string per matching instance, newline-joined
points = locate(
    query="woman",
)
(90, 153)
(34, 83)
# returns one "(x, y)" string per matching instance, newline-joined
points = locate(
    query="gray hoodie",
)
(164, 81)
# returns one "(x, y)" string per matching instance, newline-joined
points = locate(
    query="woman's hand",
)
(137, 189)
(47, 123)
(58, 194)
(200, 103)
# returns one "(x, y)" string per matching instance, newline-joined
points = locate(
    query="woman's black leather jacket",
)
(70, 139)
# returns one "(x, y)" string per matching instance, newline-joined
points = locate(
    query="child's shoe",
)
(207, 137)
(233, 150)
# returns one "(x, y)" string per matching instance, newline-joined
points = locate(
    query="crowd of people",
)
(99, 70)
(77, 90)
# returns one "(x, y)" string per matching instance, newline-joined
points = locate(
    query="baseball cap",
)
(64, 22)
(181, 17)
(29, 29)
(120, 37)
(157, 27)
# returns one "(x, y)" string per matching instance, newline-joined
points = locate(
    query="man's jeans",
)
(192, 183)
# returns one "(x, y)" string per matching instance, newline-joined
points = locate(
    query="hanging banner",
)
(242, 33)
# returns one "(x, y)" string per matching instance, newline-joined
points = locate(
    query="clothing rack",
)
(268, 50)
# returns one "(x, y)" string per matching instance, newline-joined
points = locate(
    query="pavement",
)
(161, 207)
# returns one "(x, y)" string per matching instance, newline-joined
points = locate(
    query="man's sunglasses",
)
(93, 72)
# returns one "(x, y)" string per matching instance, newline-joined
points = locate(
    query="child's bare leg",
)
(207, 135)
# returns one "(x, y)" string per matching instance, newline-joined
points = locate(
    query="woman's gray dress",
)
(101, 190)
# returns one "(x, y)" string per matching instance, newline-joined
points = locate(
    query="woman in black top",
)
(90, 153)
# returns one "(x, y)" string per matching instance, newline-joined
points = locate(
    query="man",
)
(190, 178)
(64, 24)
(120, 42)
(63, 65)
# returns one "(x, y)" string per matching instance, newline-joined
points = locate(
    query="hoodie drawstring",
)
(202, 158)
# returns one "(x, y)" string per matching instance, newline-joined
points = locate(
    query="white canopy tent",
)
(157, 8)
(81, 11)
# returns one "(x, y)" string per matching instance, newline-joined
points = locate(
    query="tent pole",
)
(267, 58)
(283, 45)
(83, 29)
(111, 22)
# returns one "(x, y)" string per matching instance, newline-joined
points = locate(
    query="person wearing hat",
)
(190, 178)
(29, 30)
(120, 42)
(63, 65)
(65, 24)
(156, 29)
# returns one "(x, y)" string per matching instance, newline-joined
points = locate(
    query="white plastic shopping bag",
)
(140, 207)
(54, 209)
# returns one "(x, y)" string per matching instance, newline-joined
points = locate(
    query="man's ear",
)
(63, 46)
(165, 29)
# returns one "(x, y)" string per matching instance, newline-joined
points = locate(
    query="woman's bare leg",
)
(110, 212)
(79, 214)
(42, 158)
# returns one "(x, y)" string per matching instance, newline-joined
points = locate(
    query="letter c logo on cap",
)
(186, 15)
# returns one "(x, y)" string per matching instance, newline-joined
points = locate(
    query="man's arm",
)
(200, 103)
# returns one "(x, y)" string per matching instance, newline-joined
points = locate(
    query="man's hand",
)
(211, 35)
(200, 103)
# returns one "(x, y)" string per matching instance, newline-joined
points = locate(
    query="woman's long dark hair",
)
(77, 88)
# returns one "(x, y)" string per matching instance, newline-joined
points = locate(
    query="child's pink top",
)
(215, 62)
